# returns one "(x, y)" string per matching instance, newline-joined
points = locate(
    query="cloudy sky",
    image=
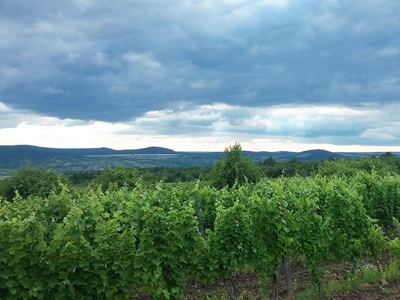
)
(201, 74)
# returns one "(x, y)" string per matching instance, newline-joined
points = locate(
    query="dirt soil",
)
(382, 290)
(247, 286)
(376, 291)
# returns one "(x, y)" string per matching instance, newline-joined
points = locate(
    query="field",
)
(156, 239)
(124, 235)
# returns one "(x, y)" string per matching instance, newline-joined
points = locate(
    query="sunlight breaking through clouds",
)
(288, 127)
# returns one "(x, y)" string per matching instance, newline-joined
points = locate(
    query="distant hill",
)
(97, 159)
(151, 150)
(301, 156)
(317, 155)
(365, 154)
(12, 157)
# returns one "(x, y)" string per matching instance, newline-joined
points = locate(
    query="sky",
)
(199, 75)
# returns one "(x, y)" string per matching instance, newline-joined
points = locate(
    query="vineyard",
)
(115, 244)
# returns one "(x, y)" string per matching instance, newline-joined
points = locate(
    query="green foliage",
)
(309, 236)
(351, 167)
(348, 167)
(114, 179)
(381, 196)
(105, 243)
(350, 230)
(272, 228)
(100, 245)
(391, 160)
(81, 179)
(394, 247)
(230, 242)
(170, 244)
(205, 203)
(56, 248)
(28, 181)
(234, 169)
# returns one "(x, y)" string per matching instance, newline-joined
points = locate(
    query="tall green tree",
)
(234, 169)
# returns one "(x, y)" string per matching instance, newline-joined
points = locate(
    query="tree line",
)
(233, 169)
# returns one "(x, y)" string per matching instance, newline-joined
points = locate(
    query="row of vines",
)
(110, 245)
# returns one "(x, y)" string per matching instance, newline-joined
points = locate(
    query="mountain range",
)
(97, 159)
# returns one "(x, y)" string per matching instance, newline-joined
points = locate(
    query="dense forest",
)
(127, 231)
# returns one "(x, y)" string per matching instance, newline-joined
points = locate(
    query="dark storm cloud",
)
(117, 60)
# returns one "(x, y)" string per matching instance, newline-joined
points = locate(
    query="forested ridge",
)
(124, 232)
(99, 159)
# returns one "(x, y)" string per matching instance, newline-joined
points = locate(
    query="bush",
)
(30, 181)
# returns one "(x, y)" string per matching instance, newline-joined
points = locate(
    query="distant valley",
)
(97, 159)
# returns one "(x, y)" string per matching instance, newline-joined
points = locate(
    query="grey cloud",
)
(338, 125)
(117, 60)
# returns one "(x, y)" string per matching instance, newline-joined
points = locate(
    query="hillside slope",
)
(96, 159)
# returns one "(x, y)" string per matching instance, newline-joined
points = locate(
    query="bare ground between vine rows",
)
(248, 287)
